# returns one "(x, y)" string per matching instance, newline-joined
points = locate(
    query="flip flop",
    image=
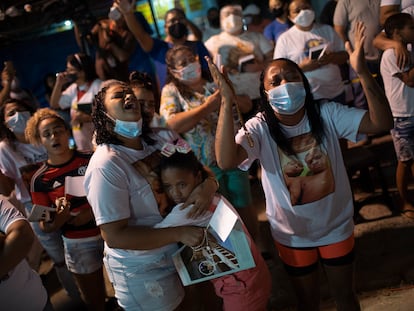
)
(408, 213)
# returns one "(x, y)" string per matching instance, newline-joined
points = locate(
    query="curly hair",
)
(184, 90)
(32, 128)
(104, 125)
(312, 109)
(5, 132)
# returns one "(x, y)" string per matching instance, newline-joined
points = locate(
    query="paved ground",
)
(384, 264)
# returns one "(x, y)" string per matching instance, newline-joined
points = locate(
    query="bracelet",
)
(215, 180)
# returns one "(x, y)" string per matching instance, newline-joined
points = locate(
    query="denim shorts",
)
(403, 137)
(51, 241)
(84, 255)
(145, 283)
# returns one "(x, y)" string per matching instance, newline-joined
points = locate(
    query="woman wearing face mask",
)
(78, 96)
(293, 125)
(189, 104)
(18, 161)
(137, 256)
(297, 44)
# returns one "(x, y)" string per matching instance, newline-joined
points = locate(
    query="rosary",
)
(207, 266)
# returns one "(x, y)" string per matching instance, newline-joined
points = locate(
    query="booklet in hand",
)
(316, 52)
(224, 250)
(40, 212)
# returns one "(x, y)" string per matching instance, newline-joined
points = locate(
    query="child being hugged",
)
(180, 173)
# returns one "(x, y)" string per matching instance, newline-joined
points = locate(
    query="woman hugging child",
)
(180, 173)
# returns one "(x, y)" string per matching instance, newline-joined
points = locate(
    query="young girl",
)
(73, 218)
(398, 85)
(243, 290)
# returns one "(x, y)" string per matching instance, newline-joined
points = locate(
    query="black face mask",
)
(178, 30)
(277, 12)
(214, 22)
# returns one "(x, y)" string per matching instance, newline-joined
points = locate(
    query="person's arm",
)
(388, 10)
(407, 77)
(245, 103)
(119, 234)
(198, 35)
(144, 39)
(341, 31)
(337, 58)
(383, 43)
(184, 121)
(57, 90)
(378, 118)
(6, 185)
(15, 245)
(202, 195)
(124, 52)
(59, 218)
(229, 154)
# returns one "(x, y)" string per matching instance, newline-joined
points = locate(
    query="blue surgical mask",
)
(287, 98)
(127, 129)
(17, 122)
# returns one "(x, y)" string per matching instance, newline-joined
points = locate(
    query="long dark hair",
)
(104, 134)
(312, 108)
(184, 90)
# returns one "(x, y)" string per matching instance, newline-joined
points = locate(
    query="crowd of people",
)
(116, 150)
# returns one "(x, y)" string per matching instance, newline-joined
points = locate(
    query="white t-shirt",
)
(116, 191)
(23, 290)
(83, 136)
(399, 95)
(325, 214)
(326, 81)
(12, 160)
(232, 48)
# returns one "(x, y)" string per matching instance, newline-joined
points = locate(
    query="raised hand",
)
(356, 54)
(222, 80)
(124, 6)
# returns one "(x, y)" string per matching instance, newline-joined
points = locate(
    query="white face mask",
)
(305, 18)
(232, 24)
(190, 73)
(17, 122)
(287, 98)
(127, 129)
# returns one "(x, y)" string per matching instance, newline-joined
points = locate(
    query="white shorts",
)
(84, 255)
